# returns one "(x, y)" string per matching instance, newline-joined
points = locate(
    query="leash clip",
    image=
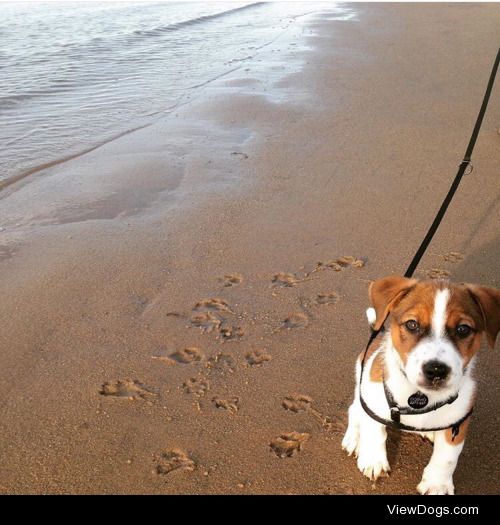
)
(469, 165)
(395, 414)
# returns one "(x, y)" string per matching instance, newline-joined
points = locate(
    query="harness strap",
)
(455, 427)
(409, 411)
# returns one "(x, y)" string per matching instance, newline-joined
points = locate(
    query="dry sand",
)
(109, 261)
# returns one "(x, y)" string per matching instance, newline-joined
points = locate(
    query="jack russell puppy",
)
(417, 374)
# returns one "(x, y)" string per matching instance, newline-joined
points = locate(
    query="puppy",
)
(417, 374)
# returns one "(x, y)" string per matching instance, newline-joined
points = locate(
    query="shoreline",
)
(116, 256)
(72, 136)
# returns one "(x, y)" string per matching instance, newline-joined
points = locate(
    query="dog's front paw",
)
(350, 442)
(430, 486)
(373, 463)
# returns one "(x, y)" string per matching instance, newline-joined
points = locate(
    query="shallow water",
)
(74, 75)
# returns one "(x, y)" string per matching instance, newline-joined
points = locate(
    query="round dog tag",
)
(418, 400)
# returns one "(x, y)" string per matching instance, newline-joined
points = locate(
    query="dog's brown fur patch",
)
(459, 438)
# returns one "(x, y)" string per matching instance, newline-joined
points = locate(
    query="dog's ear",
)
(488, 300)
(385, 293)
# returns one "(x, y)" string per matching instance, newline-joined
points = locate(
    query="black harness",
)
(417, 405)
(418, 401)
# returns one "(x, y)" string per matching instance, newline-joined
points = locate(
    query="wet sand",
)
(163, 330)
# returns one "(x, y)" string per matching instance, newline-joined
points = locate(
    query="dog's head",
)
(436, 326)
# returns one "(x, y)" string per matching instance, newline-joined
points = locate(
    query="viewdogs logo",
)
(418, 510)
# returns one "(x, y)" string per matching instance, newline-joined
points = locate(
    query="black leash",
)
(396, 411)
(461, 170)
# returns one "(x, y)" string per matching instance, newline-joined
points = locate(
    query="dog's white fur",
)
(366, 438)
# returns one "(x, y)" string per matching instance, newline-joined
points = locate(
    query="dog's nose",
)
(435, 369)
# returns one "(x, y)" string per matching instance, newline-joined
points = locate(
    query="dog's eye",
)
(412, 325)
(463, 330)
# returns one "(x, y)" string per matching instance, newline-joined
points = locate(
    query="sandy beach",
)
(171, 319)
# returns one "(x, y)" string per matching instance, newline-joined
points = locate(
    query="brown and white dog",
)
(429, 348)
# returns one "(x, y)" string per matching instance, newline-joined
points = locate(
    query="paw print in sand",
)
(197, 386)
(172, 460)
(231, 279)
(257, 357)
(339, 264)
(327, 298)
(131, 389)
(453, 257)
(296, 320)
(289, 444)
(437, 273)
(297, 402)
(187, 355)
(285, 280)
(231, 404)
